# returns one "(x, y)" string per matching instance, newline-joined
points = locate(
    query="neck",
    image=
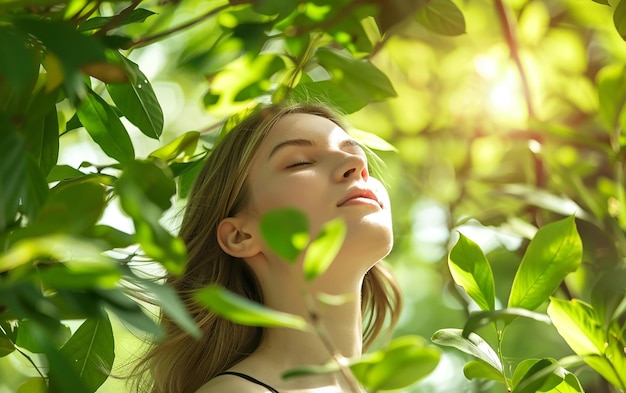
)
(337, 328)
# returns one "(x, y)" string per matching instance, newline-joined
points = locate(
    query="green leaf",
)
(33, 385)
(581, 327)
(62, 172)
(71, 207)
(578, 324)
(356, 74)
(90, 351)
(12, 173)
(322, 251)
(105, 128)
(508, 315)
(41, 130)
(185, 144)
(128, 311)
(528, 368)
(112, 236)
(405, 361)
(18, 72)
(6, 346)
(36, 189)
(152, 179)
(372, 141)
(145, 189)
(135, 16)
(137, 101)
(58, 247)
(478, 369)
(473, 345)
(358, 78)
(244, 311)
(471, 270)
(27, 336)
(546, 375)
(80, 276)
(169, 302)
(611, 82)
(286, 232)
(554, 252)
(619, 19)
(441, 16)
(331, 92)
(279, 8)
(187, 174)
(71, 48)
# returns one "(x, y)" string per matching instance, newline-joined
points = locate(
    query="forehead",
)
(304, 126)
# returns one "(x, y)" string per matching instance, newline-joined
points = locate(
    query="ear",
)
(235, 239)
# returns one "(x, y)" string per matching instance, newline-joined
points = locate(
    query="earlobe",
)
(234, 239)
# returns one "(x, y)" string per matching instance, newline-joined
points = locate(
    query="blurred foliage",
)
(507, 119)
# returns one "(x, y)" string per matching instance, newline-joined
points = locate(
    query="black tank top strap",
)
(249, 378)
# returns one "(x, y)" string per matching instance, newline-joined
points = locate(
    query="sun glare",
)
(504, 93)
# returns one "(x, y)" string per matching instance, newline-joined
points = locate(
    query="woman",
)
(279, 156)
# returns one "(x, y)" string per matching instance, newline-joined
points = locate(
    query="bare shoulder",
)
(230, 383)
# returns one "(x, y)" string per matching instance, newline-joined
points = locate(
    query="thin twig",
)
(111, 24)
(511, 40)
(80, 17)
(150, 39)
(30, 361)
(322, 333)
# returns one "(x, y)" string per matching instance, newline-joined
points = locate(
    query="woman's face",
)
(310, 163)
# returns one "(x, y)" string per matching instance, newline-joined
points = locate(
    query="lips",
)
(359, 193)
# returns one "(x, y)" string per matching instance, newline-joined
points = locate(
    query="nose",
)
(353, 166)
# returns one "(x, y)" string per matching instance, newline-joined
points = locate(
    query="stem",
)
(150, 39)
(111, 24)
(80, 16)
(322, 333)
(500, 334)
(511, 40)
(30, 361)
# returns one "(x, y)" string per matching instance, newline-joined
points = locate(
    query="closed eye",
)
(297, 164)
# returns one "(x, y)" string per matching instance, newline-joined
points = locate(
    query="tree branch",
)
(150, 39)
(511, 40)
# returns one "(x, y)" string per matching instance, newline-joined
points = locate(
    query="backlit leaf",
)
(33, 385)
(578, 324)
(184, 144)
(90, 351)
(169, 302)
(137, 100)
(12, 173)
(244, 311)
(478, 369)
(6, 346)
(145, 189)
(72, 208)
(473, 345)
(471, 270)
(441, 16)
(619, 19)
(105, 128)
(405, 361)
(135, 16)
(554, 252)
(286, 232)
(508, 315)
(323, 250)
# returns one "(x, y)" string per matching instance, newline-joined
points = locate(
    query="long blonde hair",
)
(178, 363)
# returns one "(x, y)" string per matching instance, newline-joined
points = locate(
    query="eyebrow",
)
(346, 144)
